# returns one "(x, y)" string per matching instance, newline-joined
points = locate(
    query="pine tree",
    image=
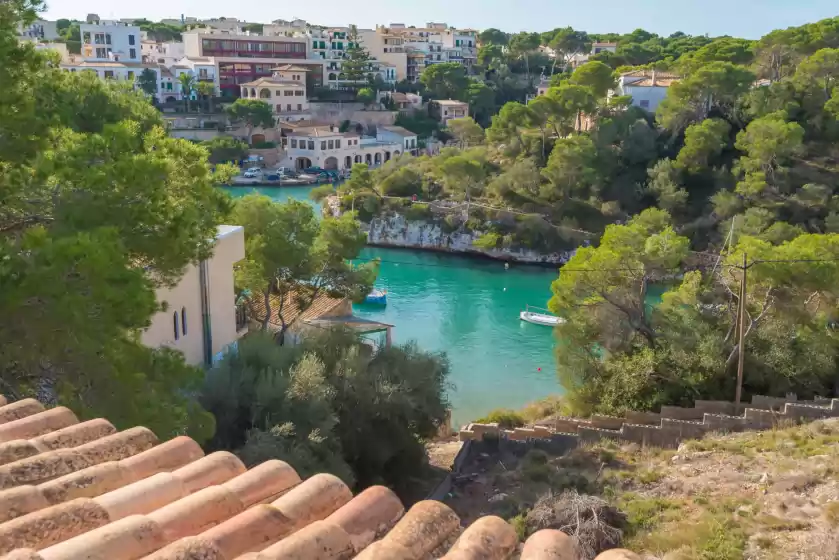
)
(356, 63)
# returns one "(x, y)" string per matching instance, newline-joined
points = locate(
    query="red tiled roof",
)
(72, 491)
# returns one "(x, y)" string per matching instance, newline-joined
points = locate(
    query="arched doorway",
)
(330, 163)
(357, 159)
(378, 158)
(387, 156)
(265, 93)
(170, 99)
(303, 163)
(348, 162)
(396, 154)
(368, 160)
(257, 138)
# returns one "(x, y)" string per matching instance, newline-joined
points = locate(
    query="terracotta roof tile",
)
(323, 304)
(123, 496)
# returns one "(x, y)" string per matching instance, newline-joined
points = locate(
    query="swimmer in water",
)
(506, 266)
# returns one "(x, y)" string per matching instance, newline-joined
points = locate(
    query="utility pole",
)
(741, 354)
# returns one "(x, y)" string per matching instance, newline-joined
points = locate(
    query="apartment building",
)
(110, 41)
(242, 59)
(386, 46)
(285, 91)
(433, 44)
(38, 30)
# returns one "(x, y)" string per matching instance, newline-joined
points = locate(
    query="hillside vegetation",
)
(738, 165)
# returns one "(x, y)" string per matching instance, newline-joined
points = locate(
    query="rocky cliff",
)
(395, 231)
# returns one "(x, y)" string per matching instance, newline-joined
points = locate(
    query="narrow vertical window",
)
(177, 330)
(183, 320)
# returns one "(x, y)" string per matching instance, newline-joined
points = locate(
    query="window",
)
(645, 103)
(101, 53)
(109, 74)
(130, 75)
(323, 144)
(169, 86)
(175, 321)
(299, 107)
(298, 94)
(337, 144)
(183, 320)
(131, 39)
(331, 144)
(132, 53)
(311, 144)
(293, 142)
(288, 93)
(438, 57)
(288, 107)
(107, 38)
(99, 38)
(87, 36)
(279, 108)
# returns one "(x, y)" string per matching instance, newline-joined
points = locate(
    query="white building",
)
(647, 88)
(325, 147)
(38, 30)
(110, 41)
(284, 91)
(168, 53)
(201, 318)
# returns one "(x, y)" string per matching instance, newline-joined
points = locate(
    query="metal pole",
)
(742, 343)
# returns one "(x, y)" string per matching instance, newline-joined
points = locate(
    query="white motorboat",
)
(540, 318)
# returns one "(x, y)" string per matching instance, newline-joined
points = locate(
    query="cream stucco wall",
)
(184, 299)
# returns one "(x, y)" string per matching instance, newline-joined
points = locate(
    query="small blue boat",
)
(376, 297)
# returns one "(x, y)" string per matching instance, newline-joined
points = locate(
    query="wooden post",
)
(742, 343)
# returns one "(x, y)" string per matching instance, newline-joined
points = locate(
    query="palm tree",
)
(208, 91)
(187, 82)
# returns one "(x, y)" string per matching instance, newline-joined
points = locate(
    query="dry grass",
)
(763, 496)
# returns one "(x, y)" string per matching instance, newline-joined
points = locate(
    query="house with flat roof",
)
(445, 110)
(647, 88)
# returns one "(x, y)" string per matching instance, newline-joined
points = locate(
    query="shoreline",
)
(475, 255)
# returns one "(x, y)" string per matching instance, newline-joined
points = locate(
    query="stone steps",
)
(672, 424)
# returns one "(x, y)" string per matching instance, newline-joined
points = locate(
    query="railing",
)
(241, 317)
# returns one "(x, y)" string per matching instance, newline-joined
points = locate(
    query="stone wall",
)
(396, 231)
(672, 425)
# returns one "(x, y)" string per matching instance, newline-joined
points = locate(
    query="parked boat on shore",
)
(545, 319)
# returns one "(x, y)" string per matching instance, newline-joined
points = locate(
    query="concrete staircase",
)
(670, 426)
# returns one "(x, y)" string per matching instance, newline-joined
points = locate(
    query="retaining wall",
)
(667, 428)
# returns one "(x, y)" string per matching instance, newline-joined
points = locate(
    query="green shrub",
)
(418, 212)
(404, 182)
(489, 240)
(321, 192)
(263, 145)
(505, 418)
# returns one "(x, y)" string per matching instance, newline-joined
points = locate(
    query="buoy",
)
(538, 369)
(505, 289)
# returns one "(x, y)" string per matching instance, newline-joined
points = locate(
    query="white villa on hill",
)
(327, 148)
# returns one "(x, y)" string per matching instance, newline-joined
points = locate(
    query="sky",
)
(741, 18)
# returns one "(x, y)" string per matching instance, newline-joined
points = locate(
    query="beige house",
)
(284, 91)
(445, 110)
(201, 318)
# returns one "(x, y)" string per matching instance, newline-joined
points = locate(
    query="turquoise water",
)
(468, 308)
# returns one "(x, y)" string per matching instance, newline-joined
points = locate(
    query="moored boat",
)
(540, 318)
(376, 297)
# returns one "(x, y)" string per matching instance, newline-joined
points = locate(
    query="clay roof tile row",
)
(84, 490)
